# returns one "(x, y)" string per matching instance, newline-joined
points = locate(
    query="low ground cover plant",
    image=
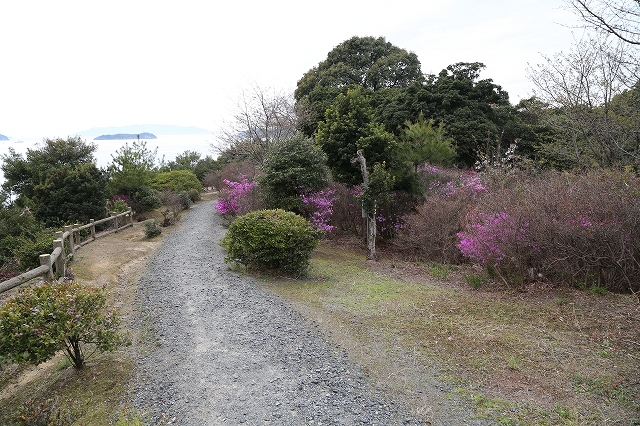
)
(271, 240)
(151, 228)
(42, 320)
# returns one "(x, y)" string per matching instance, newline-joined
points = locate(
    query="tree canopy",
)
(580, 87)
(422, 142)
(260, 119)
(71, 194)
(348, 127)
(132, 168)
(474, 111)
(23, 174)
(293, 166)
(367, 62)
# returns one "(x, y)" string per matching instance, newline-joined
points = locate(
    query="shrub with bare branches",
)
(570, 229)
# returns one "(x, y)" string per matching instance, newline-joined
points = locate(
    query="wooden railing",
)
(65, 246)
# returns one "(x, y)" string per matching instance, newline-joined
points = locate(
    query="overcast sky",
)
(69, 65)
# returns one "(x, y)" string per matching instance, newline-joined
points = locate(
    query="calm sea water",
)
(169, 146)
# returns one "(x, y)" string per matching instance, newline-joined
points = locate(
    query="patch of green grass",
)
(131, 417)
(488, 406)
(564, 413)
(475, 281)
(594, 290)
(604, 386)
(440, 271)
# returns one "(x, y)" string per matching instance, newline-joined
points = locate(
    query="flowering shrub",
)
(393, 214)
(490, 236)
(499, 240)
(234, 199)
(122, 197)
(442, 183)
(578, 230)
(39, 321)
(429, 232)
(318, 208)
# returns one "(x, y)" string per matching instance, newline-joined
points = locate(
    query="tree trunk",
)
(370, 214)
(371, 235)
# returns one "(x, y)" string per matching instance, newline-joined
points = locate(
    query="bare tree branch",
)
(261, 118)
(618, 17)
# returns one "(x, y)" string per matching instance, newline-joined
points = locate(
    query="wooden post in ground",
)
(115, 220)
(93, 229)
(76, 233)
(72, 246)
(367, 211)
(60, 261)
(45, 260)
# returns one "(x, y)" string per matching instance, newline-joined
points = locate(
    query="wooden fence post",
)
(93, 229)
(115, 221)
(76, 233)
(72, 245)
(45, 260)
(60, 261)
(130, 216)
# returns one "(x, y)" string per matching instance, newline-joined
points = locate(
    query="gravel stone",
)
(230, 352)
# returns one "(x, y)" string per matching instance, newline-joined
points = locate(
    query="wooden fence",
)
(65, 246)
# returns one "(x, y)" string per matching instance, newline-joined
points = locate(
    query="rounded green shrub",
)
(185, 199)
(145, 199)
(273, 240)
(29, 251)
(151, 229)
(176, 180)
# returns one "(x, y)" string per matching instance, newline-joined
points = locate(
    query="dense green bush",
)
(17, 225)
(71, 195)
(185, 199)
(151, 229)
(176, 180)
(194, 195)
(41, 320)
(273, 240)
(145, 199)
(293, 167)
(28, 251)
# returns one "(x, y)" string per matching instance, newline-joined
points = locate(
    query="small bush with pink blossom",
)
(236, 197)
(318, 208)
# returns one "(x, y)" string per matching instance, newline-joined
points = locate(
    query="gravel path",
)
(230, 352)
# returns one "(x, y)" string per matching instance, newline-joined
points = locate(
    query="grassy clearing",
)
(527, 356)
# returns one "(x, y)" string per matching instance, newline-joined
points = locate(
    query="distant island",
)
(120, 136)
(156, 129)
(3, 138)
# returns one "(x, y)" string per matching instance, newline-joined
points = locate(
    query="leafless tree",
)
(618, 17)
(262, 117)
(583, 84)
